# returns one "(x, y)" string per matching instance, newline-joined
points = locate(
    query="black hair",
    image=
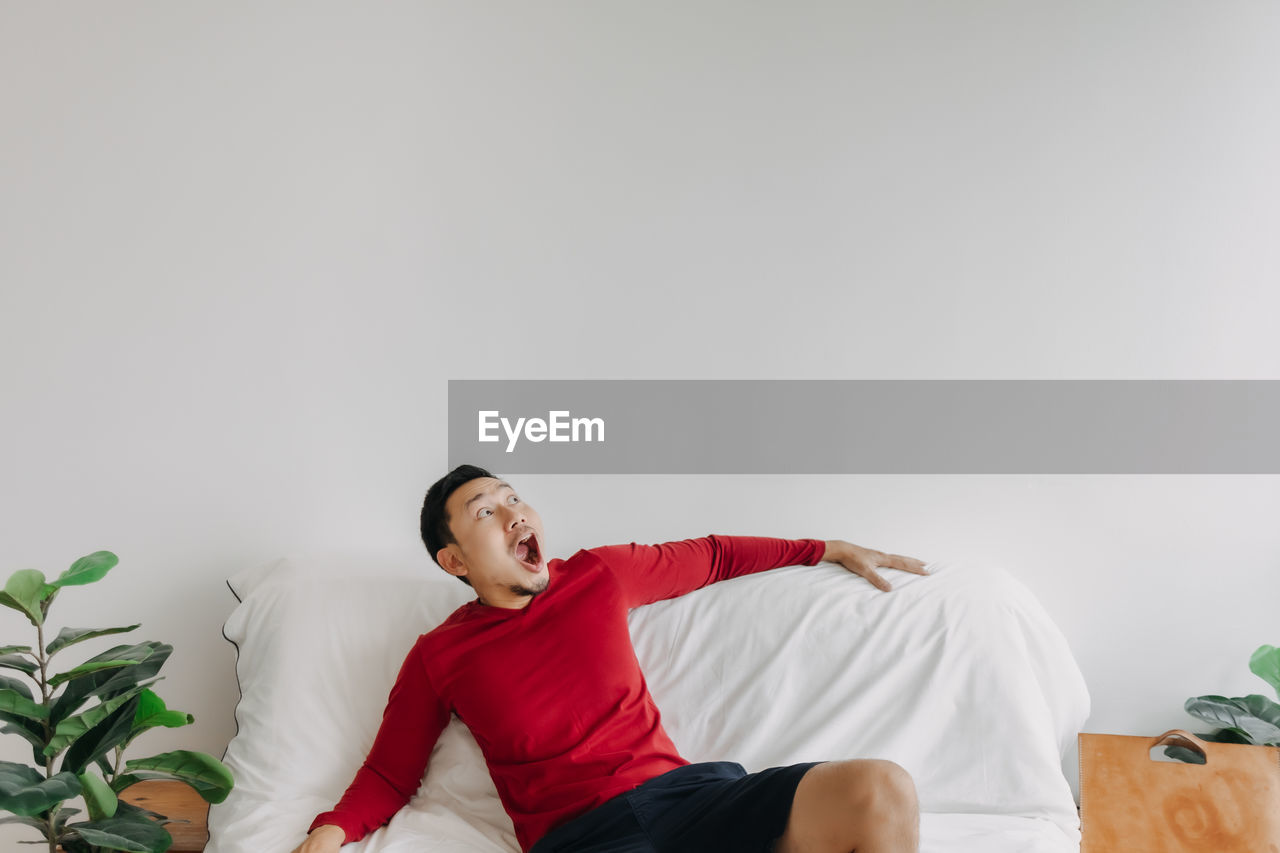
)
(435, 518)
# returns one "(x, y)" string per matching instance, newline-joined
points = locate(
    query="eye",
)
(513, 500)
(484, 512)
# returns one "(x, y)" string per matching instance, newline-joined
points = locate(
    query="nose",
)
(515, 515)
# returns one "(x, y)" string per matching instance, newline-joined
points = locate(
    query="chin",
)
(534, 587)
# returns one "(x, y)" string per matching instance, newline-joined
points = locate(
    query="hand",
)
(323, 839)
(864, 562)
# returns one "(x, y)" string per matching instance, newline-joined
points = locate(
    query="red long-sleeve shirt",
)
(552, 692)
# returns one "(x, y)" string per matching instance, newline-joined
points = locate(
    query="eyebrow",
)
(502, 484)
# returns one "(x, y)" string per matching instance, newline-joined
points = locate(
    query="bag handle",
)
(1183, 738)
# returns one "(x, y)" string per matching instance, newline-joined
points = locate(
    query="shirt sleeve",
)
(411, 724)
(649, 573)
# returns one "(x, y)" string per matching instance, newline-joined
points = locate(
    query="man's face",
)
(499, 543)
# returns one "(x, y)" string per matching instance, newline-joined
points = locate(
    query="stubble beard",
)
(531, 591)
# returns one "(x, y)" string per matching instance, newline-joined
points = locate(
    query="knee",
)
(883, 789)
(852, 805)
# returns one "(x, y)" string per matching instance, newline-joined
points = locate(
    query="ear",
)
(451, 561)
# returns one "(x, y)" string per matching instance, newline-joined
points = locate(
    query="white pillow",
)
(319, 641)
(960, 677)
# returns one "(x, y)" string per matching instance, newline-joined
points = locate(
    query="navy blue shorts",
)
(716, 807)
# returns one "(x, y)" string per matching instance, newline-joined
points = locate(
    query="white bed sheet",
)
(424, 832)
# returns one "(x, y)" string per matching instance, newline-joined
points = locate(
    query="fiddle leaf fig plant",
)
(1243, 719)
(78, 723)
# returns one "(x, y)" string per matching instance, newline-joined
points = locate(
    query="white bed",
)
(960, 677)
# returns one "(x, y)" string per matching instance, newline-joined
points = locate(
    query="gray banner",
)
(866, 426)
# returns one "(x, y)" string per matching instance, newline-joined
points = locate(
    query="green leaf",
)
(25, 592)
(13, 702)
(124, 834)
(104, 736)
(1186, 756)
(112, 681)
(1224, 736)
(62, 817)
(131, 676)
(18, 662)
(152, 713)
(89, 668)
(25, 792)
(29, 729)
(1265, 663)
(1256, 717)
(25, 821)
(87, 569)
(129, 810)
(207, 775)
(15, 685)
(71, 636)
(28, 726)
(124, 780)
(72, 728)
(98, 796)
(48, 601)
(8, 650)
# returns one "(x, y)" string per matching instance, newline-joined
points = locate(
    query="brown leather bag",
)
(1130, 803)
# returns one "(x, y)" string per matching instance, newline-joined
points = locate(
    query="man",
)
(541, 669)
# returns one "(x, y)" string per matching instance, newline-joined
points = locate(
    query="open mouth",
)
(528, 552)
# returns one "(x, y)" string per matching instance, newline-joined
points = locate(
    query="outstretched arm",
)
(412, 722)
(649, 573)
(864, 561)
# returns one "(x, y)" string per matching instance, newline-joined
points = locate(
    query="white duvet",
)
(959, 676)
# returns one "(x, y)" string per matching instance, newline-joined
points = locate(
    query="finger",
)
(906, 564)
(874, 578)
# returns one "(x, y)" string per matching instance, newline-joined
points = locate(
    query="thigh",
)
(718, 808)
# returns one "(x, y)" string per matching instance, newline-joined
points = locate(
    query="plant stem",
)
(44, 692)
(50, 831)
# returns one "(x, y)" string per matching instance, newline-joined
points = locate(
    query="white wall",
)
(243, 248)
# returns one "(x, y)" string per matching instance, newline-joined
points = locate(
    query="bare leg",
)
(865, 806)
